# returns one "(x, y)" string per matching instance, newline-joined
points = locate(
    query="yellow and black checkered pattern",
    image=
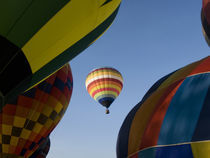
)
(29, 119)
(43, 149)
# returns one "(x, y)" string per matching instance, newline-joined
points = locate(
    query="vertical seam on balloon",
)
(190, 135)
(200, 113)
(11, 30)
(19, 18)
(19, 51)
(175, 86)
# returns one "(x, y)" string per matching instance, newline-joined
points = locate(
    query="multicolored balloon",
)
(29, 119)
(172, 119)
(104, 85)
(43, 149)
(38, 37)
(205, 18)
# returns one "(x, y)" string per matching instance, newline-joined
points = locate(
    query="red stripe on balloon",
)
(134, 156)
(102, 84)
(105, 80)
(203, 67)
(105, 89)
(151, 133)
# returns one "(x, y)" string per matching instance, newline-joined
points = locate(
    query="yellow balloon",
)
(39, 37)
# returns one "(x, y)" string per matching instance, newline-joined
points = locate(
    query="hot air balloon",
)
(43, 149)
(205, 18)
(38, 37)
(104, 85)
(172, 119)
(29, 119)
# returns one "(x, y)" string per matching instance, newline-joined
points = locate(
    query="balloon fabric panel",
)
(202, 66)
(27, 120)
(137, 129)
(151, 133)
(200, 134)
(200, 149)
(147, 153)
(191, 150)
(177, 151)
(184, 108)
(176, 109)
(23, 19)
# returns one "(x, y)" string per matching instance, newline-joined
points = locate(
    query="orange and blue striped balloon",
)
(104, 85)
(172, 119)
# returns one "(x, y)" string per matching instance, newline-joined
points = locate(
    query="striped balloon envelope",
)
(104, 85)
(26, 121)
(172, 120)
(205, 18)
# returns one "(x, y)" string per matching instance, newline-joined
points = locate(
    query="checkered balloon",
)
(27, 121)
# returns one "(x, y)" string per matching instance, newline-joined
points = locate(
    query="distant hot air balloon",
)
(43, 149)
(28, 119)
(104, 85)
(172, 119)
(38, 37)
(205, 18)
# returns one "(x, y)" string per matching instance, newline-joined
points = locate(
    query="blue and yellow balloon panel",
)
(172, 119)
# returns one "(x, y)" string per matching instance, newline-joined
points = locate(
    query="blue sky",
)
(147, 40)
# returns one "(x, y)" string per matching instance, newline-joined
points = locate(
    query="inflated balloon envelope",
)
(104, 85)
(39, 37)
(205, 19)
(172, 120)
(27, 121)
